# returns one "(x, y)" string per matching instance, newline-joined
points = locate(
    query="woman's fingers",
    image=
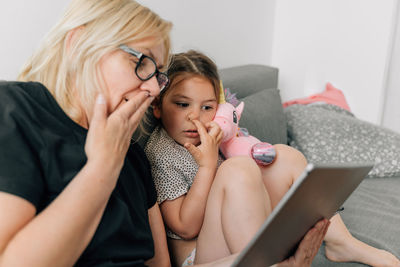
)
(97, 122)
(129, 106)
(141, 110)
(111, 133)
(99, 111)
(321, 228)
(322, 232)
(311, 242)
(133, 109)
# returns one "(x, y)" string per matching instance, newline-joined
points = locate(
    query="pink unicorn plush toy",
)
(237, 141)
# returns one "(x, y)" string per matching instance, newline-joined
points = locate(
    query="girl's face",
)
(118, 71)
(189, 99)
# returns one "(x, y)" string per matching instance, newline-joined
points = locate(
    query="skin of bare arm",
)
(161, 254)
(185, 214)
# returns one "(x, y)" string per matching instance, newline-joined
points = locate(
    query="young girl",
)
(222, 203)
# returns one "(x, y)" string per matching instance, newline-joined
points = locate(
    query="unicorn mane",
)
(231, 97)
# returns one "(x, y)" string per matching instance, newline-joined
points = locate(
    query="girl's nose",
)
(193, 115)
(151, 86)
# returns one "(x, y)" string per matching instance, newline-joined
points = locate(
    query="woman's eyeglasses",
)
(146, 68)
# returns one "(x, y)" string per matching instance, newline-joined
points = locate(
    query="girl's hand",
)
(206, 154)
(109, 135)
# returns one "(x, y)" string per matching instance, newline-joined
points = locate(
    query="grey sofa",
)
(372, 212)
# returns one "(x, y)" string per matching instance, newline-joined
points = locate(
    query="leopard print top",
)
(172, 166)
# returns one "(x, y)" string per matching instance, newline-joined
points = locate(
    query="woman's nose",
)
(151, 86)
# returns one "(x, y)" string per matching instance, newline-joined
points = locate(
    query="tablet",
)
(318, 193)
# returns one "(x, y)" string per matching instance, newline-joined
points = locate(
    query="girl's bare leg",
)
(237, 206)
(179, 250)
(341, 246)
(280, 175)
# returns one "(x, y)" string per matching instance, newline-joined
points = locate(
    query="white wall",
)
(230, 32)
(345, 42)
(391, 114)
(22, 26)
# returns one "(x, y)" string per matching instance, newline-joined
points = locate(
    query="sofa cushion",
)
(330, 95)
(327, 133)
(246, 80)
(263, 116)
(372, 215)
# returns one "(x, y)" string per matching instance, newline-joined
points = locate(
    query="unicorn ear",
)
(221, 93)
(239, 109)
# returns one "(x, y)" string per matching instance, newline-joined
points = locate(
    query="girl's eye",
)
(207, 107)
(181, 104)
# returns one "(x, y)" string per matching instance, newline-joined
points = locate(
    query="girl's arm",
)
(161, 254)
(60, 233)
(185, 214)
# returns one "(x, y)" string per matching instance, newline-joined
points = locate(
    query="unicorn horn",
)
(221, 93)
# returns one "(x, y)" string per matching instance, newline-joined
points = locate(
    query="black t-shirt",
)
(42, 150)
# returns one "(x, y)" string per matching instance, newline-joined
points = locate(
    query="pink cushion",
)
(331, 95)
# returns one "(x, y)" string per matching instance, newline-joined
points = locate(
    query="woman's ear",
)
(72, 36)
(156, 108)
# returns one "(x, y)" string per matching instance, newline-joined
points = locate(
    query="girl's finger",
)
(200, 129)
(214, 128)
(219, 137)
(193, 150)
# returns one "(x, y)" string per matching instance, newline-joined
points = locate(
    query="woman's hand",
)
(304, 255)
(308, 247)
(110, 134)
(206, 154)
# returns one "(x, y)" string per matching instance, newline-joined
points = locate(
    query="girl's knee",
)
(241, 165)
(241, 169)
(290, 155)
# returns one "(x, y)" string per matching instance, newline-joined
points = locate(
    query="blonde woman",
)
(73, 195)
(74, 190)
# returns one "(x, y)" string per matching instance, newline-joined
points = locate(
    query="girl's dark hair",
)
(189, 64)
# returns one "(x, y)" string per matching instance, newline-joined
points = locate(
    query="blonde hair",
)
(106, 25)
